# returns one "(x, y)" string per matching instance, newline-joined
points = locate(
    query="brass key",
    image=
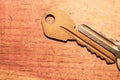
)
(64, 29)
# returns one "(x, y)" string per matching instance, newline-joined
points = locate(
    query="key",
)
(64, 29)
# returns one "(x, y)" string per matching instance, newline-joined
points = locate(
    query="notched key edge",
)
(116, 52)
(90, 48)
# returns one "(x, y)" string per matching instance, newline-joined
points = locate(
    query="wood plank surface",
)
(26, 54)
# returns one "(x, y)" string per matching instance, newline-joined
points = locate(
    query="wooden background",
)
(26, 54)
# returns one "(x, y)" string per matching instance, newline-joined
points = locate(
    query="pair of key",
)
(64, 29)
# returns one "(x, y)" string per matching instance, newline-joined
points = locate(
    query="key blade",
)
(54, 30)
(109, 44)
(91, 45)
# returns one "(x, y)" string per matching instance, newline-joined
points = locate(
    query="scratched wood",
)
(26, 54)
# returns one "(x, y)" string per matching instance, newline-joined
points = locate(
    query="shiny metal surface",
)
(64, 29)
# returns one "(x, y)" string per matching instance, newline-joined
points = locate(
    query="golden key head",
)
(54, 30)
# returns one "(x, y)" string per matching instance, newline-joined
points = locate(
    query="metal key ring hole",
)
(50, 19)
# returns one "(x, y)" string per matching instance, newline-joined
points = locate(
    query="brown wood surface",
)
(26, 54)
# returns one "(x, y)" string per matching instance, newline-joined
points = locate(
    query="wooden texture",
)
(26, 54)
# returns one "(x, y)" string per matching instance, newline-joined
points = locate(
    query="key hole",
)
(50, 19)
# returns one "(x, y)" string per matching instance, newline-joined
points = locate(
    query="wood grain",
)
(26, 54)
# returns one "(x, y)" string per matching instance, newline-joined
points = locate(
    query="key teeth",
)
(100, 56)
